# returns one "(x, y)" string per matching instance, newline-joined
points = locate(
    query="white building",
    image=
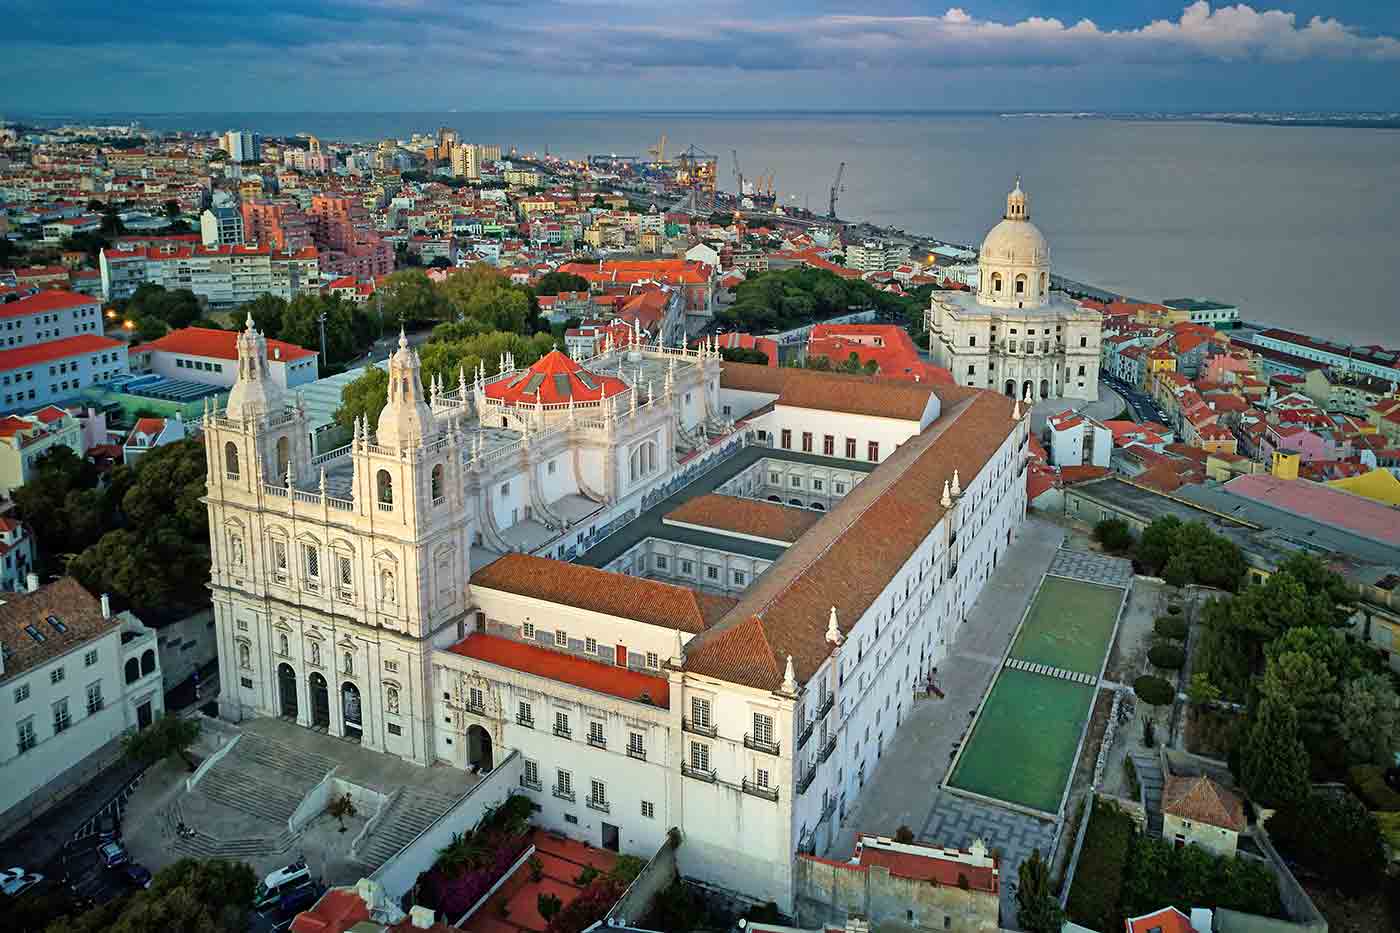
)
(73, 679)
(51, 314)
(241, 146)
(224, 276)
(221, 226)
(1078, 440)
(734, 681)
(35, 376)
(876, 256)
(1216, 314)
(16, 554)
(1014, 334)
(203, 354)
(148, 434)
(466, 161)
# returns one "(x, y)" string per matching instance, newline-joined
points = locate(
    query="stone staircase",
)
(1149, 775)
(409, 811)
(203, 845)
(264, 778)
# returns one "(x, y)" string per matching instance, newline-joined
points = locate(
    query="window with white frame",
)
(477, 699)
(89, 659)
(636, 745)
(528, 630)
(763, 728)
(598, 793)
(345, 574)
(687, 567)
(653, 661)
(699, 757)
(700, 712)
(279, 560)
(21, 693)
(760, 777)
(26, 737)
(561, 638)
(590, 645)
(648, 810)
(739, 577)
(311, 563)
(94, 697)
(56, 676)
(525, 713)
(564, 782)
(532, 773)
(595, 733)
(561, 723)
(61, 719)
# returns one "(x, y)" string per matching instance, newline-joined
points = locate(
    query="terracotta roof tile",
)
(1203, 801)
(875, 396)
(753, 517)
(79, 612)
(220, 344)
(566, 668)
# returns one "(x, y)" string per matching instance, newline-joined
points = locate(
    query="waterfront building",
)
(680, 592)
(1015, 334)
(1215, 314)
(1369, 360)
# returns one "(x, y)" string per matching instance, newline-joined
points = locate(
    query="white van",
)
(279, 882)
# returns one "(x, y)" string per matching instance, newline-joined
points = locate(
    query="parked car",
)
(297, 899)
(282, 881)
(113, 854)
(138, 876)
(15, 881)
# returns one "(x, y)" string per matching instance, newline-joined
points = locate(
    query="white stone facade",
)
(1015, 335)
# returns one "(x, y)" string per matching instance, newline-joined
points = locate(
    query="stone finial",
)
(1027, 397)
(289, 474)
(462, 382)
(1016, 411)
(789, 678)
(323, 481)
(978, 849)
(833, 631)
(957, 485)
(947, 500)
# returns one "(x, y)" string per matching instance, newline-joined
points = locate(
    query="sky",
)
(164, 56)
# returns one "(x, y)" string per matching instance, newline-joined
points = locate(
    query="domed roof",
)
(1016, 241)
(554, 380)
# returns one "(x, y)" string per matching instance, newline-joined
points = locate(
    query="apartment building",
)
(224, 276)
(42, 374)
(52, 314)
(24, 439)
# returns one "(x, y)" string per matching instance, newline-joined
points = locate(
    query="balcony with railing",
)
(563, 793)
(805, 781)
(828, 748)
(699, 774)
(527, 721)
(597, 741)
(805, 734)
(706, 729)
(766, 746)
(563, 732)
(638, 753)
(600, 805)
(529, 784)
(767, 793)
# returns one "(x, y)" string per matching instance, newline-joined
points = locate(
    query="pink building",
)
(343, 232)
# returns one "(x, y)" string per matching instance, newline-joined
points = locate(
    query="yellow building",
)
(1380, 485)
(1198, 811)
(26, 438)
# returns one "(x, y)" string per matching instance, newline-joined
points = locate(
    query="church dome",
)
(1016, 240)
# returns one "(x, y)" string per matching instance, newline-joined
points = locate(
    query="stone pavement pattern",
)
(1093, 568)
(903, 791)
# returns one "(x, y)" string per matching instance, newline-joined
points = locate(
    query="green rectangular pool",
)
(1069, 625)
(1022, 748)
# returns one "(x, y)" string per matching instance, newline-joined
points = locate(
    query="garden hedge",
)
(1369, 783)
(1154, 690)
(1170, 627)
(1167, 656)
(1094, 897)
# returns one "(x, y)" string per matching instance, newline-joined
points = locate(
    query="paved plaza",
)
(903, 791)
(1093, 568)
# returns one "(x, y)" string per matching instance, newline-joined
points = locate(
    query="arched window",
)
(231, 460)
(391, 698)
(245, 656)
(282, 645)
(148, 661)
(385, 485)
(348, 663)
(133, 671)
(284, 456)
(437, 482)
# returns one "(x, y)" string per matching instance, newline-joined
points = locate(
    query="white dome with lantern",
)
(1014, 263)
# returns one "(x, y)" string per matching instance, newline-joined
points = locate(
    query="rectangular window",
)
(787, 439)
(313, 563)
(635, 746)
(699, 757)
(279, 559)
(661, 561)
(872, 451)
(561, 638)
(21, 693)
(525, 714)
(761, 777)
(89, 659)
(806, 442)
(476, 699)
(829, 445)
(840, 488)
(598, 793)
(595, 734)
(739, 577)
(246, 682)
(94, 697)
(712, 573)
(532, 773)
(61, 719)
(394, 728)
(774, 478)
(56, 676)
(850, 448)
(763, 728)
(687, 567)
(817, 485)
(561, 724)
(795, 482)
(26, 737)
(653, 661)
(565, 782)
(346, 571)
(648, 810)
(528, 630)
(700, 712)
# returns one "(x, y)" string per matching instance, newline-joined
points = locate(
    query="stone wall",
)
(828, 893)
(658, 875)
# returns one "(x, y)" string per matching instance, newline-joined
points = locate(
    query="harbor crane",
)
(835, 190)
(658, 152)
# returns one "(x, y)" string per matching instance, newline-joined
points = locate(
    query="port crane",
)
(835, 190)
(658, 152)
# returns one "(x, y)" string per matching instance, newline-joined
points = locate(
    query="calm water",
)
(1297, 225)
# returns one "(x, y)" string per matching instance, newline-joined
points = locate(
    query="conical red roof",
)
(553, 380)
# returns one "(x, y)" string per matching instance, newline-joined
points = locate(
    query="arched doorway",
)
(1045, 388)
(1011, 388)
(287, 690)
(350, 711)
(320, 703)
(479, 748)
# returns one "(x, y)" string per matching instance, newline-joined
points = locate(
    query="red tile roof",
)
(1166, 920)
(875, 396)
(554, 379)
(895, 355)
(566, 668)
(220, 344)
(935, 866)
(55, 350)
(753, 517)
(1201, 800)
(51, 300)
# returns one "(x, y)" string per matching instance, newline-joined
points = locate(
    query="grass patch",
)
(1369, 783)
(1069, 625)
(1095, 898)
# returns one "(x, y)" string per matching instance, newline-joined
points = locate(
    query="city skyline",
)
(371, 55)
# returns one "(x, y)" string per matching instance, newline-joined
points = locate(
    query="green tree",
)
(480, 293)
(1037, 910)
(410, 297)
(1334, 835)
(743, 355)
(1114, 535)
(176, 309)
(342, 808)
(552, 283)
(1201, 691)
(1155, 546)
(365, 397)
(202, 896)
(266, 311)
(1369, 720)
(168, 737)
(1273, 760)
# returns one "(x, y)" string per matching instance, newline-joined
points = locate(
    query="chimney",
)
(277, 353)
(106, 606)
(421, 917)
(31, 582)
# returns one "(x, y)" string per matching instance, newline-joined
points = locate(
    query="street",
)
(1140, 405)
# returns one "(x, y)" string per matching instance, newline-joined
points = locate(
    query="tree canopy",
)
(173, 308)
(191, 895)
(351, 328)
(1189, 552)
(780, 300)
(552, 283)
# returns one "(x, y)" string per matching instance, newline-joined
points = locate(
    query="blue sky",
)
(425, 55)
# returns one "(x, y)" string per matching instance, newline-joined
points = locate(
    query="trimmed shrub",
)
(1170, 627)
(1154, 691)
(1167, 656)
(1114, 534)
(1369, 783)
(1174, 609)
